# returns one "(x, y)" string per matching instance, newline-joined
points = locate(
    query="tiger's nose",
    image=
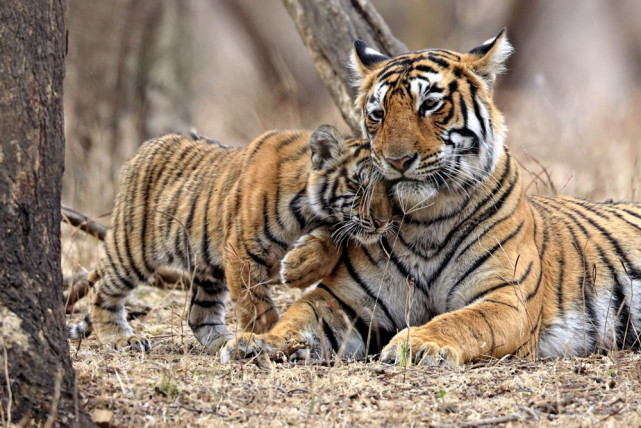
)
(379, 223)
(401, 164)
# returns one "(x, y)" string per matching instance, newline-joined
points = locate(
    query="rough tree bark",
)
(37, 383)
(328, 29)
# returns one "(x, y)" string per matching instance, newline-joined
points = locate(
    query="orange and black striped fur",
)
(478, 269)
(227, 216)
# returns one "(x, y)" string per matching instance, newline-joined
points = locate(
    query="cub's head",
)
(344, 189)
(430, 117)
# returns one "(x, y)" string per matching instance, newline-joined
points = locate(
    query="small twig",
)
(532, 412)
(492, 421)
(8, 380)
(193, 409)
(77, 287)
(51, 419)
(613, 413)
(290, 392)
(613, 402)
(84, 223)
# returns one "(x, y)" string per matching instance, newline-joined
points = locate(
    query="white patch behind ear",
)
(501, 52)
(364, 60)
(355, 70)
(490, 57)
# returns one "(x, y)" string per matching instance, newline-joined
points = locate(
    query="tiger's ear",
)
(488, 59)
(364, 59)
(327, 146)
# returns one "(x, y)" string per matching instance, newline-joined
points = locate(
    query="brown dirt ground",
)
(179, 384)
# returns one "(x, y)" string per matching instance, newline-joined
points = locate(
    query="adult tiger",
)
(478, 269)
(227, 216)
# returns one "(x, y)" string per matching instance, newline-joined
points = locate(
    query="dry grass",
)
(179, 384)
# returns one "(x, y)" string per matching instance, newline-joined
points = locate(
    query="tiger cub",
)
(227, 216)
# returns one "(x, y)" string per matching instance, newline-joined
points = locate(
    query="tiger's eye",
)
(428, 105)
(376, 115)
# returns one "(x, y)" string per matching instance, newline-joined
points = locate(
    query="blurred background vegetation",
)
(232, 69)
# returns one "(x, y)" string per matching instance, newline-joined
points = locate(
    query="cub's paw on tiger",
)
(132, 343)
(275, 347)
(312, 259)
(420, 349)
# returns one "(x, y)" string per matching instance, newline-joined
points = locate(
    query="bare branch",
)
(328, 29)
(77, 286)
(84, 223)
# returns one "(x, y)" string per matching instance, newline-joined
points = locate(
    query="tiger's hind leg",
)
(207, 311)
(108, 314)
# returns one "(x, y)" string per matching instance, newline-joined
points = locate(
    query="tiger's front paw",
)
(132, 343)
(311, 259)
(275, 347)
(244, 346)
(411, 346)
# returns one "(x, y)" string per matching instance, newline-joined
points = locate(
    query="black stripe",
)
(258, 144)
(204, 242)
(512, 283)
(329, 334)
(211, 286)
(479, 261)
(631, 269)
(116, 268)
(532, 293)
(585, 286)
(405, 273)
(295, 208)
(477, 110)
(152, 177)
(289, 140)
(474, 238)
(357, 278)
(425, 68)
(187, 170)
(195, 327)
(208, 303)
(358, 323)
(255, 257)
(266, 229)
(463, 108)
(489, 327)
(171, 171)
(465, 227)
(439, 61)
(277, 217)
(498, 302)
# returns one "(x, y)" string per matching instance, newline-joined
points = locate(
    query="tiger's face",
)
(430, 118)
(344, 188)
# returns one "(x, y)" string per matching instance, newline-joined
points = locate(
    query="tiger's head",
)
(431, 119)
(344, 189)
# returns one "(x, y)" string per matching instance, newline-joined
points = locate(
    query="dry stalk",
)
(53, 414)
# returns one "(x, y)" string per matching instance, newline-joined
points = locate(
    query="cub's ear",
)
(488, 59)
(364, 59)
(327, 146)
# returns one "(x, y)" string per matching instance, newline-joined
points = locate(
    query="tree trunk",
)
(328, 29)
(38, 382)
(129, 75)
